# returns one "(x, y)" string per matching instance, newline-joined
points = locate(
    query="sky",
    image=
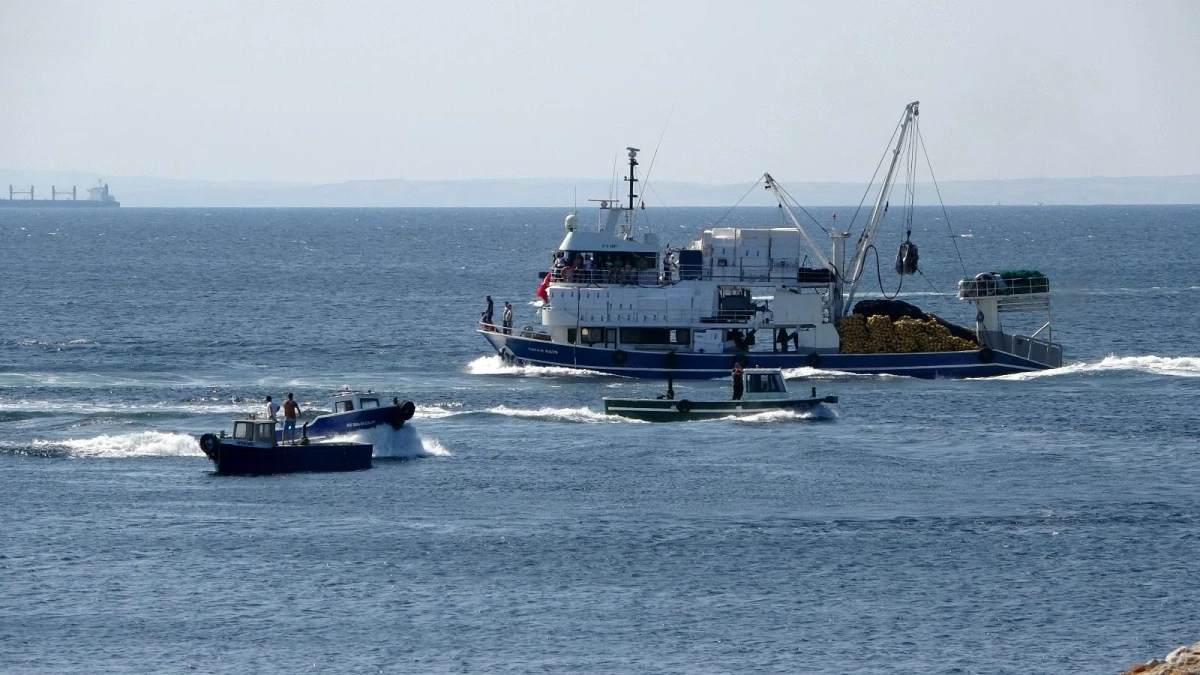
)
(712, 92)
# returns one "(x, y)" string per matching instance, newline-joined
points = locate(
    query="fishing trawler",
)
(615, 301)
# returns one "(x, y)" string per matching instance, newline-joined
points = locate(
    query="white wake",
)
(494, 365)
(403, 443)
(1175, 366)
(139, 444)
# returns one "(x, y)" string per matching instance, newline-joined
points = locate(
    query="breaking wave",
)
(584, 415)
(403, 443)
(494, 365)
(139, 444)
(138, 410)
(806, 373)
(1176, 366)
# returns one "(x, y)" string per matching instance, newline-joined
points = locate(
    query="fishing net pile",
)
(889, 326)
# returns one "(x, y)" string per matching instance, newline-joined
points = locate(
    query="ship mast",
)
(632, 195)
(881, 202)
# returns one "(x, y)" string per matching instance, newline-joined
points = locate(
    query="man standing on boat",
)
(738, 382)
(272, 409)
(487, 315)
(507, 318)
(291, 411)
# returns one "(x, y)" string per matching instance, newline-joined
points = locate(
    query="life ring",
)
(813, 360)
(986, 355)
(209, 443)
(619, 357)
(407, 410)
(684, 406)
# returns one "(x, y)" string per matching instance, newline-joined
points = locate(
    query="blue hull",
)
(336, 424)
(250, 461)
(689, 366)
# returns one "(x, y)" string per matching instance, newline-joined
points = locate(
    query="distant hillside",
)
(562, 192)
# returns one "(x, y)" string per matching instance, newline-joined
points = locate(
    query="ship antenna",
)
(649, 169)
(631, 179)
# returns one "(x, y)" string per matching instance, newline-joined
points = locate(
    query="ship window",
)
(266, 433)
(342, 406)
(364, 403)
(591, 336)
(243, 431)
(656, 336)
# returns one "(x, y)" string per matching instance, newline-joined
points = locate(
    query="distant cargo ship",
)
(97, 197)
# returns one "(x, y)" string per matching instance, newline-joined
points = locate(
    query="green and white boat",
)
(765, 391)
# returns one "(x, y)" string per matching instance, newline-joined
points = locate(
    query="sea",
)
(1038, 523)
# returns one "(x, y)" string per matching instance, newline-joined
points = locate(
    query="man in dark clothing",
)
(738, 382)
(487, 314)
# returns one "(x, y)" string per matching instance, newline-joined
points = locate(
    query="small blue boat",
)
(357, 411)
(254, 450)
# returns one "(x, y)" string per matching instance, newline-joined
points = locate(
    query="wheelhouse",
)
(348, 401)
(764, 383)
(254, 432)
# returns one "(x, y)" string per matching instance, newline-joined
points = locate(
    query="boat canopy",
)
(255, 431)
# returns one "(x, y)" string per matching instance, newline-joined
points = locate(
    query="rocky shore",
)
(1182, 661)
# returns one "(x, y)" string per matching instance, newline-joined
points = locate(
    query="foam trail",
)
(403, 443)
(1175, 366)
(585, 415)
(494, 365)
(140, 444)
(433, 412)
(85, 408)
(818, 412)
(806, 373)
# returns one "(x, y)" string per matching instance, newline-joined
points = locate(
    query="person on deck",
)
(507, 318)
(781, 337)
(739, 383)
(487, 315)
(291, 411)
(272, 409)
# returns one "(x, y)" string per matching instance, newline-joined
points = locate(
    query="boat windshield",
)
(364, 403)
(762, 383)
(243, 431)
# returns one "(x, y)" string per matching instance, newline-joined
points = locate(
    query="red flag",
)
(541, 289)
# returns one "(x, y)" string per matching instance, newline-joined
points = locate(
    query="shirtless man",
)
(291, 410)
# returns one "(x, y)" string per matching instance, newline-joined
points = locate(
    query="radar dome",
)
(571, 223)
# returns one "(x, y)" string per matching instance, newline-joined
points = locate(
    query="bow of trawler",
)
(615, 301)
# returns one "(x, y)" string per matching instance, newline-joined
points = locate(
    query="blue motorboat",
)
(357, 411)
(254, 450)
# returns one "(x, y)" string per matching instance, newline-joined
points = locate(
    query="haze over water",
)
(1039, 523)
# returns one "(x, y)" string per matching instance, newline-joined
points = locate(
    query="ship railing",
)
(1041, 350)
(622, 277)
(970, 289)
